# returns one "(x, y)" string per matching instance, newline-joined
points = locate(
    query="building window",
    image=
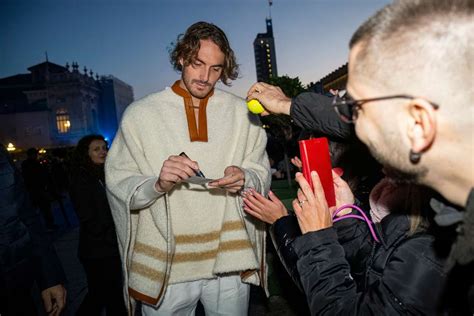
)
(63, 123)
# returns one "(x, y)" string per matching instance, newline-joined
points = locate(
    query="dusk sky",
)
(130, 38)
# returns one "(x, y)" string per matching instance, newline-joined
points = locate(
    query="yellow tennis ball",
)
(255, 106)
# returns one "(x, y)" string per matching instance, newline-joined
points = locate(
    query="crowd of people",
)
(176, 213)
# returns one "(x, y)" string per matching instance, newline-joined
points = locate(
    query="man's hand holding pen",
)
(174, 170)
(178, 168)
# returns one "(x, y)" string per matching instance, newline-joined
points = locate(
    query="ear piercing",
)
(414, 157)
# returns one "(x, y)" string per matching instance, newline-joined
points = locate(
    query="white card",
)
(198, 180)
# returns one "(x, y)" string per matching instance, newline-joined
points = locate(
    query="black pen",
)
(198, 172)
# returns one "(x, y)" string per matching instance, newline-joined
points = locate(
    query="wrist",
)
(285, 106)
(158, 187)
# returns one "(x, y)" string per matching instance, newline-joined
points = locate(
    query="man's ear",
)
(422, 130)
(181, 62)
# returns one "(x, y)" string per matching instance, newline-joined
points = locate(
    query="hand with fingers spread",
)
(271, 97)
(233, 180)
(174, 170)
(311, 207)
(267, 210)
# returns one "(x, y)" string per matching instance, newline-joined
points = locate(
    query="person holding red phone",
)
(339, 266)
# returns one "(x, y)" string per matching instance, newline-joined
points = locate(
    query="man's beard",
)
(400, 177)
(395, 170)
(197, 94)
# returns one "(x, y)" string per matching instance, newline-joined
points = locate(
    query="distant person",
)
(98, 247)
(185, 242)
(59, 171)
(27, 255)
(59, 176)
(37, 181)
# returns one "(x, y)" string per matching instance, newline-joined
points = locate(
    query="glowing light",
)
(11, 147)
(42, 151)
(67, 124)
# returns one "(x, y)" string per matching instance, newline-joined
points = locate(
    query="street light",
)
(10, 147)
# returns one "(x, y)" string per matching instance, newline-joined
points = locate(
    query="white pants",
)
(222, 296)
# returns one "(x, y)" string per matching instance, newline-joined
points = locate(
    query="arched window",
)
(62, 121)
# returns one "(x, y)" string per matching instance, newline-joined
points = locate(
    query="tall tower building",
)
(265, 54)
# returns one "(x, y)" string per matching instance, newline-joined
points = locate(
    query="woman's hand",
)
(311, 207)
(266, 210)
(296, 161)
(343, 193)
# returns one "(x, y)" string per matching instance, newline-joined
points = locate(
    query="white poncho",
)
(191, 232)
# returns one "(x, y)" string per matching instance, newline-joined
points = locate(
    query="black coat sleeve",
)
(23, 233)
(49, 270)
(410, 283)
(283, 232)
(354, 236)
(315, 112)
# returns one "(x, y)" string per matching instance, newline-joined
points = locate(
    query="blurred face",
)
(200, 77)
(98, 151)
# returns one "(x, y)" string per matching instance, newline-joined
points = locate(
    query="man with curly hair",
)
(183, 242)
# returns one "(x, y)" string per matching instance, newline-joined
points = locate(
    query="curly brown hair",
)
(187, 47)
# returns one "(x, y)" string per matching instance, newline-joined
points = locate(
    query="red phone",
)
(315, 156)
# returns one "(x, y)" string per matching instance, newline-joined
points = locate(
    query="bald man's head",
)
(423, 48)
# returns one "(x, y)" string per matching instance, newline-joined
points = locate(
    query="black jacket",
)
(26, 251)
(460, 288)
(283, 232)
(97, 237)
(344, 272)
(315, 112)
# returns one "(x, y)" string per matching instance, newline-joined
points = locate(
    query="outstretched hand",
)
(271, 97)
(267, 210)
